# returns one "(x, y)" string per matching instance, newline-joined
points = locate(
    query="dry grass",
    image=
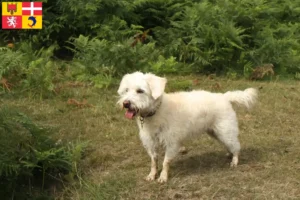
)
(116, 163)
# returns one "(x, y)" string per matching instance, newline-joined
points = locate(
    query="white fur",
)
(182, 115)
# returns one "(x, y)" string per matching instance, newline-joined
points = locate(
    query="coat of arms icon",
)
(11, 8)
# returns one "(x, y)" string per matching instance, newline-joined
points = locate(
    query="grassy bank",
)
(115, 163)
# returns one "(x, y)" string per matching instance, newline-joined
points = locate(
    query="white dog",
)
(169, 119)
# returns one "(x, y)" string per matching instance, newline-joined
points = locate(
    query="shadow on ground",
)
(217, 160)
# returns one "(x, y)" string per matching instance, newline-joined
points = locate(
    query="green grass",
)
(115, 162)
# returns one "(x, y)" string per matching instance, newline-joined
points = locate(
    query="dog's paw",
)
(234, 162)
(150, 177)
(163, 178)
(233, 165)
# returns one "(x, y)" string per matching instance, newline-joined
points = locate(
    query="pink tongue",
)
(129, 114)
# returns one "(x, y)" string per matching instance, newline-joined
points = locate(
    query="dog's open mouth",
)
(131, 113)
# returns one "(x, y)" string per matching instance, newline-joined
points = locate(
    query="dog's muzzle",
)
(131, 110)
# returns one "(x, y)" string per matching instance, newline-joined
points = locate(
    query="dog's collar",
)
(150, 114)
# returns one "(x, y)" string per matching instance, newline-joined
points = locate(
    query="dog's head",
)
(139, 92)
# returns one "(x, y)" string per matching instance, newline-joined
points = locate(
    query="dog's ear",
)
(157, 85)
(121, 87)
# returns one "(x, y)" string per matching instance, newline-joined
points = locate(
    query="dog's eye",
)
(126, 90)
(140, 91)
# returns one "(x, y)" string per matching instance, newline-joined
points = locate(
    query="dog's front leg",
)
(153, 171)
(151, 147)
(171, 152)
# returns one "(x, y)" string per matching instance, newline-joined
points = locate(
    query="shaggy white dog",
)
(169, 119)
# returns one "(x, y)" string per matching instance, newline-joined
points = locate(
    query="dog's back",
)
(245, 98)
(197, 111)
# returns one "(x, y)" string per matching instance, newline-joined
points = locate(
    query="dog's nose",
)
(126, 104)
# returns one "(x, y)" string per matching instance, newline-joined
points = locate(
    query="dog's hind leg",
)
(227, 134)
(212, 134)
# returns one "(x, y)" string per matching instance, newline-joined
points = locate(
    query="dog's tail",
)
(246, 98)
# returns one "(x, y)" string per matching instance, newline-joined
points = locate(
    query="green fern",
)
(27, 150)
(10, 62)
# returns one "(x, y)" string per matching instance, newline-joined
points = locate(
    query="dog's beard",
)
(142, 110)
(130, 112)
(139, 104)
(136, 109)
